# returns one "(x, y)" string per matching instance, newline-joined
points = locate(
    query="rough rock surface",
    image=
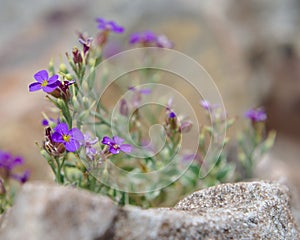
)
(255, 210)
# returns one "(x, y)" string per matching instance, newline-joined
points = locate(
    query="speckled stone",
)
(247, 210)
(254, 210)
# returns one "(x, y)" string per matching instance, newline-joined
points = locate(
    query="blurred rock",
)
(56, 212)
(256, 210)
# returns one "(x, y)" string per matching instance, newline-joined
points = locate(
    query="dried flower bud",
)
(124, 107)
(77, 58)
(101, 38)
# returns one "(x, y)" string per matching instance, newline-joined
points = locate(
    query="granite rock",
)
(254, 210)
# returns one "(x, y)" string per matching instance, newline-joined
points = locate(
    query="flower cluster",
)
(8, 166)
(8, 163)
(256, 115)
(150, 39)
(86, 140)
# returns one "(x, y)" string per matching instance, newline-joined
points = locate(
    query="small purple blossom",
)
(163, 42)
(50, 121)
(116, 145)
(9, 162)
(137, 95)
(145, 37)
(72, 139)
(91, 152)
(44, 82)
(45, 122)
(148, 38)
(86, 43)
(256, 115)
(207, 105)
(172, 115)
(21, 178)
(109, 25)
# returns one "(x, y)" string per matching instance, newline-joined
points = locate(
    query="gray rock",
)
(56, 212)
(255, 210)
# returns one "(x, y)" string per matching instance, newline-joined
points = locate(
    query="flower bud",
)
(51, 67)
(63, 68)
(101, 38)
(124, 107)
(172, 120)
(69, 76)
(76, 104)
(77, 58)
(186, 126)
(92, 62)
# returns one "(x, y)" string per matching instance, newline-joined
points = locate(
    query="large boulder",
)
(254, 210)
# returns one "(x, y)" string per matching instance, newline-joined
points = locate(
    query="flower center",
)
(66, 138)
(44, 83)
(115, 146)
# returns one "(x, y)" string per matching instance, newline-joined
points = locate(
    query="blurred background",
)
(250, 47)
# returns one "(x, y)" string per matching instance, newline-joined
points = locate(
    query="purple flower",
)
(72, 139)
(44, 82)
(145, 37)
(207, 105)
(21, 178)
(88, 144)
(109, 26)
(45, 122)
(86, 44)
(163, 42)
(116, 145)
(8, 162)
(50, 121)
(148, 38)
(256, 115)
(137, 95)
(172, 114)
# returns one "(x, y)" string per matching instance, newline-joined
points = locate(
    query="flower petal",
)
(145, 91)
(53, 79)
(17, 161)
(35, 87)
(72, 145)
(117, 140)
(57, 137)
(41, 76)
(113, 150)
(125, 148)
(106, 140)
(21, 178)
(50, 88)
(62, 128)
(76, 134)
